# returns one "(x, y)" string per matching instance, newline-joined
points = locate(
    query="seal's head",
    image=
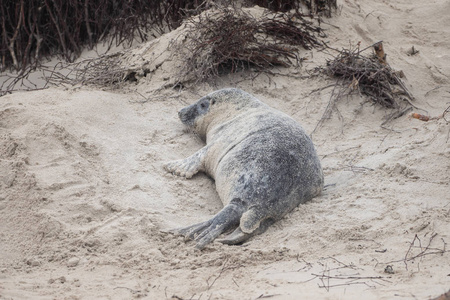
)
(215, 108)
(191, 113)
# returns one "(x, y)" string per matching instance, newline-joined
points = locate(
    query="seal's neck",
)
(215, 118)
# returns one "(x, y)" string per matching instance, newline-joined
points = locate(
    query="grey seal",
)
(263, 163)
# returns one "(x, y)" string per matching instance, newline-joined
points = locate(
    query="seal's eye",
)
(203, 105)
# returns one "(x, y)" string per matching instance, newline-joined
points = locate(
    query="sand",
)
(85, 203)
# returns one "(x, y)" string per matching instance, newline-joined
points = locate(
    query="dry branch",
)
(225, 267)
(416, 243)
(105, 70)
(315, 6)
(368, 75)
(335, 277)
(230, 40)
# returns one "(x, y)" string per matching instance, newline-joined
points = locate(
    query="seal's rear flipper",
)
(190, 231)
(205, 232)
(238, 236)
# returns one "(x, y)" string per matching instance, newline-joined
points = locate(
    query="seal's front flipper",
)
(238, 236)
(205, 232)
(189, 166)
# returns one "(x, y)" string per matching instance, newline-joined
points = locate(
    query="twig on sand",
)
(350, 280)
(262, 296)
(225, 267)
(329, 279)
(416, 243)
(210, 285)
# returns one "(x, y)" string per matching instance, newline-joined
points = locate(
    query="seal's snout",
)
(187, 115)
(182, 114)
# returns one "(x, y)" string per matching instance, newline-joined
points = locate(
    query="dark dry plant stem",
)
(416, 243)
(328, 277)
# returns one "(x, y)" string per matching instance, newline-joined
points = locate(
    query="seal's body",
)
(263, 162)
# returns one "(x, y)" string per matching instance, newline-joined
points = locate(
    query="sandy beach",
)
(85, 203)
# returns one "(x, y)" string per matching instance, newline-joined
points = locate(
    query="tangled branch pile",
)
(32, 29)
(370, 75)
(314, 6)
(230, 40)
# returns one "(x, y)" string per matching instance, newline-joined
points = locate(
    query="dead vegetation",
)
(104, 71)
(34, 29)
(230, 40)
(368, 74)
(220, 41)
(324, 7)
(416, 251)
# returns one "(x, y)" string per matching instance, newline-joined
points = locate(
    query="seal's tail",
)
(238, 236)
